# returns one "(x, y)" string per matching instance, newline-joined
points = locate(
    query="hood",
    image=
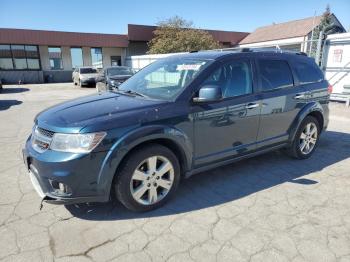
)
(93, 75)
(98, 112)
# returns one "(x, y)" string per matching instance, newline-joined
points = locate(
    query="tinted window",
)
(234, 78)
(55, 58)
(6, 63)
(19, 57)
(88, 70)
(308, 72)
(275, 74)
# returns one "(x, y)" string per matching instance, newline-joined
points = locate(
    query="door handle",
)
(252, 105)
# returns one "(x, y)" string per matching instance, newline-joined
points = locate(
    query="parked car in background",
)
(84, 76)
(113, 77)
(178, 116)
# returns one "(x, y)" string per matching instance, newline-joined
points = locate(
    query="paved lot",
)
(270, 208)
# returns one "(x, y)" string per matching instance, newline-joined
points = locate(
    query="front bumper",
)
(80, 172)
(88, 81)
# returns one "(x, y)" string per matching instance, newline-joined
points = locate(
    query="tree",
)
(325, 22)
(178, 35)
(327, 27)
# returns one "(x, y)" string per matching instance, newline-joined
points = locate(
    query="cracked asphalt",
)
(268, 208)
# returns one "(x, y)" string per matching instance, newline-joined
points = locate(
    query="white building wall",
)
(44, 57)
(281, 42)
(337, 62)
(87, 56)
(66, 58)
(107, 52)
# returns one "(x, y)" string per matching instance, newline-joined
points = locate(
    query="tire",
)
(135, 194)
(299, 150)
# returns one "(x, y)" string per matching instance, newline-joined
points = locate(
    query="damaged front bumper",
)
(64, 179)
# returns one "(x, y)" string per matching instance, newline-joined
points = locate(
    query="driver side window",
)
(234, 78)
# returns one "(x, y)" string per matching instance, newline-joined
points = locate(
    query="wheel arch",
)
(172, 138)
(313, 109)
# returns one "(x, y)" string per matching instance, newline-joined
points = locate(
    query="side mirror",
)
(208, 93)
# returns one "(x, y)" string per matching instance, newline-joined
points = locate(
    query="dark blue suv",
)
(178, 116)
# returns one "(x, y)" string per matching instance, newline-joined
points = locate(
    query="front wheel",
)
(148, 178)
(306, 139)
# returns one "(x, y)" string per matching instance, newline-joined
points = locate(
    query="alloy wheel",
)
(152, 180)
(308, 138)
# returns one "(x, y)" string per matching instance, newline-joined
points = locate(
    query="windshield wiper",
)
(131, 92)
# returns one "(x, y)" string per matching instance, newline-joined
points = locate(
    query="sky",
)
(107, 16)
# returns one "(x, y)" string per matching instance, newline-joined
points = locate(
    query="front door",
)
(229, 127)
(281, 100)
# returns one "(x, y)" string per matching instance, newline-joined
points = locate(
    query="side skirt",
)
(230, 161)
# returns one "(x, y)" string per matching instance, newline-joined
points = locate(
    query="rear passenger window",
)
(308, 72)
(275, 74)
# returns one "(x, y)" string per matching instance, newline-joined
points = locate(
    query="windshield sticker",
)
(194, 67)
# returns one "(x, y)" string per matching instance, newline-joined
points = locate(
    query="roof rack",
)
(275, 49)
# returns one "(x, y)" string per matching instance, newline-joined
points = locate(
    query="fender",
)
(307, 109)
(134, 138)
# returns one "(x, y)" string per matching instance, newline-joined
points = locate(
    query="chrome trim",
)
(41, 139)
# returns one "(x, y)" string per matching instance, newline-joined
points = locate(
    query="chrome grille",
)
(45, 132)
(41, 139)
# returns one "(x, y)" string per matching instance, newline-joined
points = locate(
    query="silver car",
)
(84, 76)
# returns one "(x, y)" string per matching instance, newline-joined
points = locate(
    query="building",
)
(293, 35)
(140, 35)
(37, 56)
(337, 63)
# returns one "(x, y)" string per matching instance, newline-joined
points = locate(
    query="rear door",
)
(229, 127)
(281, 97)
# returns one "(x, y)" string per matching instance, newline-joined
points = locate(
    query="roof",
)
(216, 54)
(145, 33)
(285, 30)
(59, 38)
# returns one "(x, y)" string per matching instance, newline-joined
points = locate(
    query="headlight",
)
(76, 143)
(115, 83)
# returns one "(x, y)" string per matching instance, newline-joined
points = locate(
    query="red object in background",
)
(330, 89)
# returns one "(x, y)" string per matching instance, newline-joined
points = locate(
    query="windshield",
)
(165, 78)
(88, 70)
(119, 71)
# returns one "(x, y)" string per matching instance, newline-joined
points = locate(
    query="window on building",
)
(308, 72)
(55, 58)
(5, 57)
(32, 55)
(96, 57)
(19, 57)
(77, 57)
(275, 74)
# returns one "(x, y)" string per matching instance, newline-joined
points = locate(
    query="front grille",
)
(41, 139)
(45, 132)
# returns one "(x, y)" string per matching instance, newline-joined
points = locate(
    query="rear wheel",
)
(306, 139)
(148, 178)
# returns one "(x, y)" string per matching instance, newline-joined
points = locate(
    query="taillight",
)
(330, 89)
